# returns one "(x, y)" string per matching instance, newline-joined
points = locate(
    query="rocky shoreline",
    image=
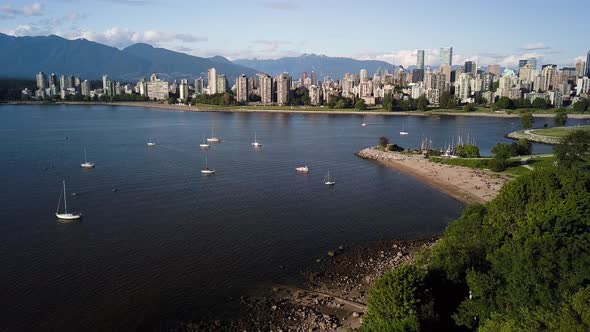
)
(332, 298)
(531, 136)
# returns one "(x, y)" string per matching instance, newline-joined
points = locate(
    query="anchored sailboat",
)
(328, 180)
(204, 144)
(213, 138)
(207, 170)
(255, 143)
(404, 132)
(65, 215)
(86, 163)
(150, 142)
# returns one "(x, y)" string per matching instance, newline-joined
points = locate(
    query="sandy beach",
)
(464, 184)
(299, 110)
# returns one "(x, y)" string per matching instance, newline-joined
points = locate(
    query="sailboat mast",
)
(65, 199)
(85, 159)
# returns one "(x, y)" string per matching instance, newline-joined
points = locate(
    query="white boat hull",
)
(213, 140)
(68, 216)
(302, 169)
(151, 144)
(330, 183)
(87, 165)
(256, 145)
(403, 133)
(204, 145)
(207, 171)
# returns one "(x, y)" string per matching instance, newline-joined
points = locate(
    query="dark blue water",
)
(173, 244)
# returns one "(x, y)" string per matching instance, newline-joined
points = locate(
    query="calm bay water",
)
(173, 244)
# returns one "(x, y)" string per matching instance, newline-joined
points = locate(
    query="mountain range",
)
(23, 57)
(334, 67)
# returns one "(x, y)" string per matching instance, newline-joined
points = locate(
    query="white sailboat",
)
(255, 143)
(204, 144)
(404, 132)
(86, 163)
(328, 180)
(150, 142)
(213, 138)
(207, 170)
(364, 124)
(65, 215)
(302, 169)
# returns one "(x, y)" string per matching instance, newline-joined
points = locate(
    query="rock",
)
(355, 314)
(274, 307)
(341, 247)
(331, 253)
(319, 260)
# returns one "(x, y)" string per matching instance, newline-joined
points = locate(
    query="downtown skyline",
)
(209, 29)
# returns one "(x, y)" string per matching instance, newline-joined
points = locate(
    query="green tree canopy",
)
(527, 120)
(574, 149)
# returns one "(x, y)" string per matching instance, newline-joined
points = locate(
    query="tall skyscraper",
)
(283, 88)
(446, 56)
(41, 81)
(532, 62)
(314, 78)
(105, 78)
(199, 86)
(242, 89)
(580, 68)
(265, 89)
(85, 90)
(221, 81)
(470, 67)
(212, 81)
(183, 90)
(587, 74)
(53, 80)
(420, 60)
(364, 76)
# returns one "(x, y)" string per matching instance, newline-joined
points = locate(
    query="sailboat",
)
(65, 215)
(86, 163)
(150, 142)
(404, 132)
(364, 124)
(255, 143)
(213, 138)
(207, 170)
(328, 180)
(204, 144)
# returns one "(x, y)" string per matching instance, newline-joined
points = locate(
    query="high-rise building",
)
(494, 69)
(446, 56)
(53, 80)
(157, 89)
(283, 83)
(62, 83)
(242, 89)
(549, 74)
(85, 88)
(446, 70)
(470, 68)
(221, 81)
(199, 86)
(265, 89)
(580, 67)
(364, 76)
(532, 62)
(41, 80)
(420, 60)
(314, 78)
(521, 63)
(587, 72)
(212, 81)
(314, 95)
(183, 90)
(105, 78)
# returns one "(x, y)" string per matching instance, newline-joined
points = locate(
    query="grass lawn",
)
(559, 131)
(516, 167)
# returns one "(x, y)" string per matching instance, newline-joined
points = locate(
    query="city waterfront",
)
(159, 241)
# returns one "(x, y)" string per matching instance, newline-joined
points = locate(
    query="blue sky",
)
(498, 31)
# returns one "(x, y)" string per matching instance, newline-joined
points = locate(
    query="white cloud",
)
(9, 12)
(122, 37)
(536, 46)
